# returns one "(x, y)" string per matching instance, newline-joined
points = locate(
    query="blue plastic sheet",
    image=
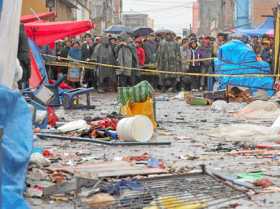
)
(39, 60)
(236, 58)
(265, 28)
(16, 120)
(117, 188)
(1, 3)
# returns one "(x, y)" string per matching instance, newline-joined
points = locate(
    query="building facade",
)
(117, 11)
(106, 13)
(260, 9)
(212, 16)
(30, 6)
(242, 17)
(136, 20)
(64, 9)
(195, 18)
(253, 12)
(83, 12)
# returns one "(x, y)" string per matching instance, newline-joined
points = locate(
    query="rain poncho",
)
(16, 147)
(104, 53)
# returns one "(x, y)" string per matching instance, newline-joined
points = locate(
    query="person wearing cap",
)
(135, 61)
(220, 40)
(178, 40)
(87, 50)
(106, 76)
(201, 41)
(124, 58)
(74, 73)
(266, 53)
(150, 47)
(195, 66)
(186, 56)
(114, 43)
(205, 52)
(192, 36)
(169, 59)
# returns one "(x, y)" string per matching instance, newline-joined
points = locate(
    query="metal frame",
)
(188, 188)
(101, 142)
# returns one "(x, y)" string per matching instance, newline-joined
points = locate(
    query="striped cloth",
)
(138, 93)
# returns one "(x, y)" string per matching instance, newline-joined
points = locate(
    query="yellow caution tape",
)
(198, 60)
(89, 66)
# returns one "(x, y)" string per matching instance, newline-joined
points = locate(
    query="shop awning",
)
(49, 32)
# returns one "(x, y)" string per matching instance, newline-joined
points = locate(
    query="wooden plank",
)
(92, 166)
(110, 169)
(120, 173)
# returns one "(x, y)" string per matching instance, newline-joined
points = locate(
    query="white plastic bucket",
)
(138, 128)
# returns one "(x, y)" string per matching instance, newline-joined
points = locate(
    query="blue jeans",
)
(210, 80)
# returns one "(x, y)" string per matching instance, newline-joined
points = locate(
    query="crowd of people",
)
(165, 52)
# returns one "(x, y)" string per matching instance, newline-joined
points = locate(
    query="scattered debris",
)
(238, 94)
(264, 183)
(63, 169)
(196, 101)
(39, 160)
(100, 201)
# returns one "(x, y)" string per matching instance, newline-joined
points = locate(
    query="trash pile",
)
(91, 128)
(53, 174)
(138, 177)
(259, 110)
(136, 130)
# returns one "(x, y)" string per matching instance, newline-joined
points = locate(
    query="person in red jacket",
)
(140, 53)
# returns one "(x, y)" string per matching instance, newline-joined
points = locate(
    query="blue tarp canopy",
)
(117, 29)
(236, 58)
(265, 28)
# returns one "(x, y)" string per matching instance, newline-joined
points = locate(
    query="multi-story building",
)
(212, 16)
(106, 13)
(136, 20)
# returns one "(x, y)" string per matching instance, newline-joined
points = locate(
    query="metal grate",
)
(174, 192)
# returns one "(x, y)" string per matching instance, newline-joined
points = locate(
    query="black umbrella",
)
(142, 31)
(164, 31)
(117, 29)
